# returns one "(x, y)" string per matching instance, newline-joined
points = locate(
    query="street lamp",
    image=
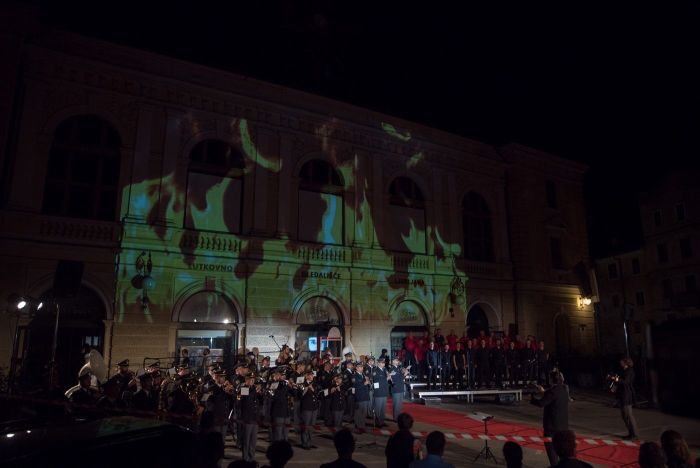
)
(18, 307)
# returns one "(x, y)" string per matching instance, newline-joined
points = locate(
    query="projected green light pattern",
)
(207, 203)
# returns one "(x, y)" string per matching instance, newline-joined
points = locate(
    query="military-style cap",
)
(155, 365)
(370, 358)
(348, 353)
(250, 375)
(124, 363)
(359, 363)
(219, 371)
(266, 358)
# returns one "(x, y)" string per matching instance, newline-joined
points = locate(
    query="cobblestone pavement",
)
(590, 413)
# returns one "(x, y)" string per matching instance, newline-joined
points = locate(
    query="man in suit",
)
(434, 363)
(555, 402)
(625, 396)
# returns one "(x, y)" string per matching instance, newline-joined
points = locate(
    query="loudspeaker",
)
(67, 279)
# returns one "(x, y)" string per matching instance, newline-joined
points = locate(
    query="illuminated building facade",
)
(256, 210)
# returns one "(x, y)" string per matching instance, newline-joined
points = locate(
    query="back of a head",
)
(242, 464)
(279, 453)
(513, 453)
(675, 447)
(435, 443)
(556, 377)
(564, 443)
(344, 443)
(404, 421)
(651, 455)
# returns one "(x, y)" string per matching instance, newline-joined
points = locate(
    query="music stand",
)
(486, 452)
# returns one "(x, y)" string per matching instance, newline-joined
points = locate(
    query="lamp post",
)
(17, 307)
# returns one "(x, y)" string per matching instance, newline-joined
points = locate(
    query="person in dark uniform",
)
(369, 373)
(338, 401)
(555, 402)
(498, 359)
(349, 382)
(145, 399)
(513, 364)
(397, 376)
(348, 360)
(384, 355)
(124, 378)
(250, 411)
(220, 400)
(542, 359)
(446, 366)
(324, 380)
(483, 365)
(433, 359)
(84, 395)
(626, 397)
(528, 361)
(470, 356)
(361, 385)
(109, 401)
(308, 406)
(459, 365)
(381, 392)
(279, 406)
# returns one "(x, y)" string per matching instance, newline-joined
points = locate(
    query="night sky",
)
(614, 85)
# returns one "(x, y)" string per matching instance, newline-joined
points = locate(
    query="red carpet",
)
(449, 421)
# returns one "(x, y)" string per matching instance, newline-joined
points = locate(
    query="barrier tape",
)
(593, 441)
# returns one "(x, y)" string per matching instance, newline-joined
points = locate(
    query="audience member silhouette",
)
(279, 453)
(435, 443)
(513, 453)
(651, 456)
(564, 444)
(345, 445)
(676, 450)
(399, 447)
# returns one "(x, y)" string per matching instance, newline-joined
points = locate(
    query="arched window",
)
(214, 187)
(476, 222)
(406, 221)
(320, 203)
(83, 170)
(207, 307)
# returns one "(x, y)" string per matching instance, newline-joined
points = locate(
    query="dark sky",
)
(612, 84)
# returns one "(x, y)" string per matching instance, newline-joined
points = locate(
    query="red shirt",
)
(452, 341)
(410, 344)
(419, 352)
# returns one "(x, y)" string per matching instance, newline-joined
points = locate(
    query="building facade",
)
(211, 209)
(659, 281)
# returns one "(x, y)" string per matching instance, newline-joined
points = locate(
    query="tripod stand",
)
(486, 452)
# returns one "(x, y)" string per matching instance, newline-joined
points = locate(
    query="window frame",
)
(484, 221)
(327, 188)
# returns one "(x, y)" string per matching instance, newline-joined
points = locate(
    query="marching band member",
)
(381, 391)
(397, 375)
(348, 382)
(337, 395)
(85, 395)
(308, 405)
(125, 379)
(145, 399)
(361, 385)
(324, 378)
(369, 372)
(220, 400)
(284, 357)
(279, 406)
(250, 409)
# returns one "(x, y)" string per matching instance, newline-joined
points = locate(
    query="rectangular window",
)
(320, 217)
(635, 266)
(551, 194)
(555, 251)
(680, 212)
(662, 253)
(406, 228)
(690, 285)
(616, 301)
(657, 218)
(213, 203)
(667, 288)
(612, 270)
(640, 298)
(686, 248)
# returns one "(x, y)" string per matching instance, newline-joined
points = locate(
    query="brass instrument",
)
(613, 381)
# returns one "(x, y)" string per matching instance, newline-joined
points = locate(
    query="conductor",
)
(555, 402)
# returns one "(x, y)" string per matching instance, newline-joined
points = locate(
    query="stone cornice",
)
(152, 77)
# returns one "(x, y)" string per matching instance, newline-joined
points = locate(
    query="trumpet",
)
(613, 382)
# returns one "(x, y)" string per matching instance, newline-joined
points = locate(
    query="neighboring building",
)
(658, 282)
(265, 211)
